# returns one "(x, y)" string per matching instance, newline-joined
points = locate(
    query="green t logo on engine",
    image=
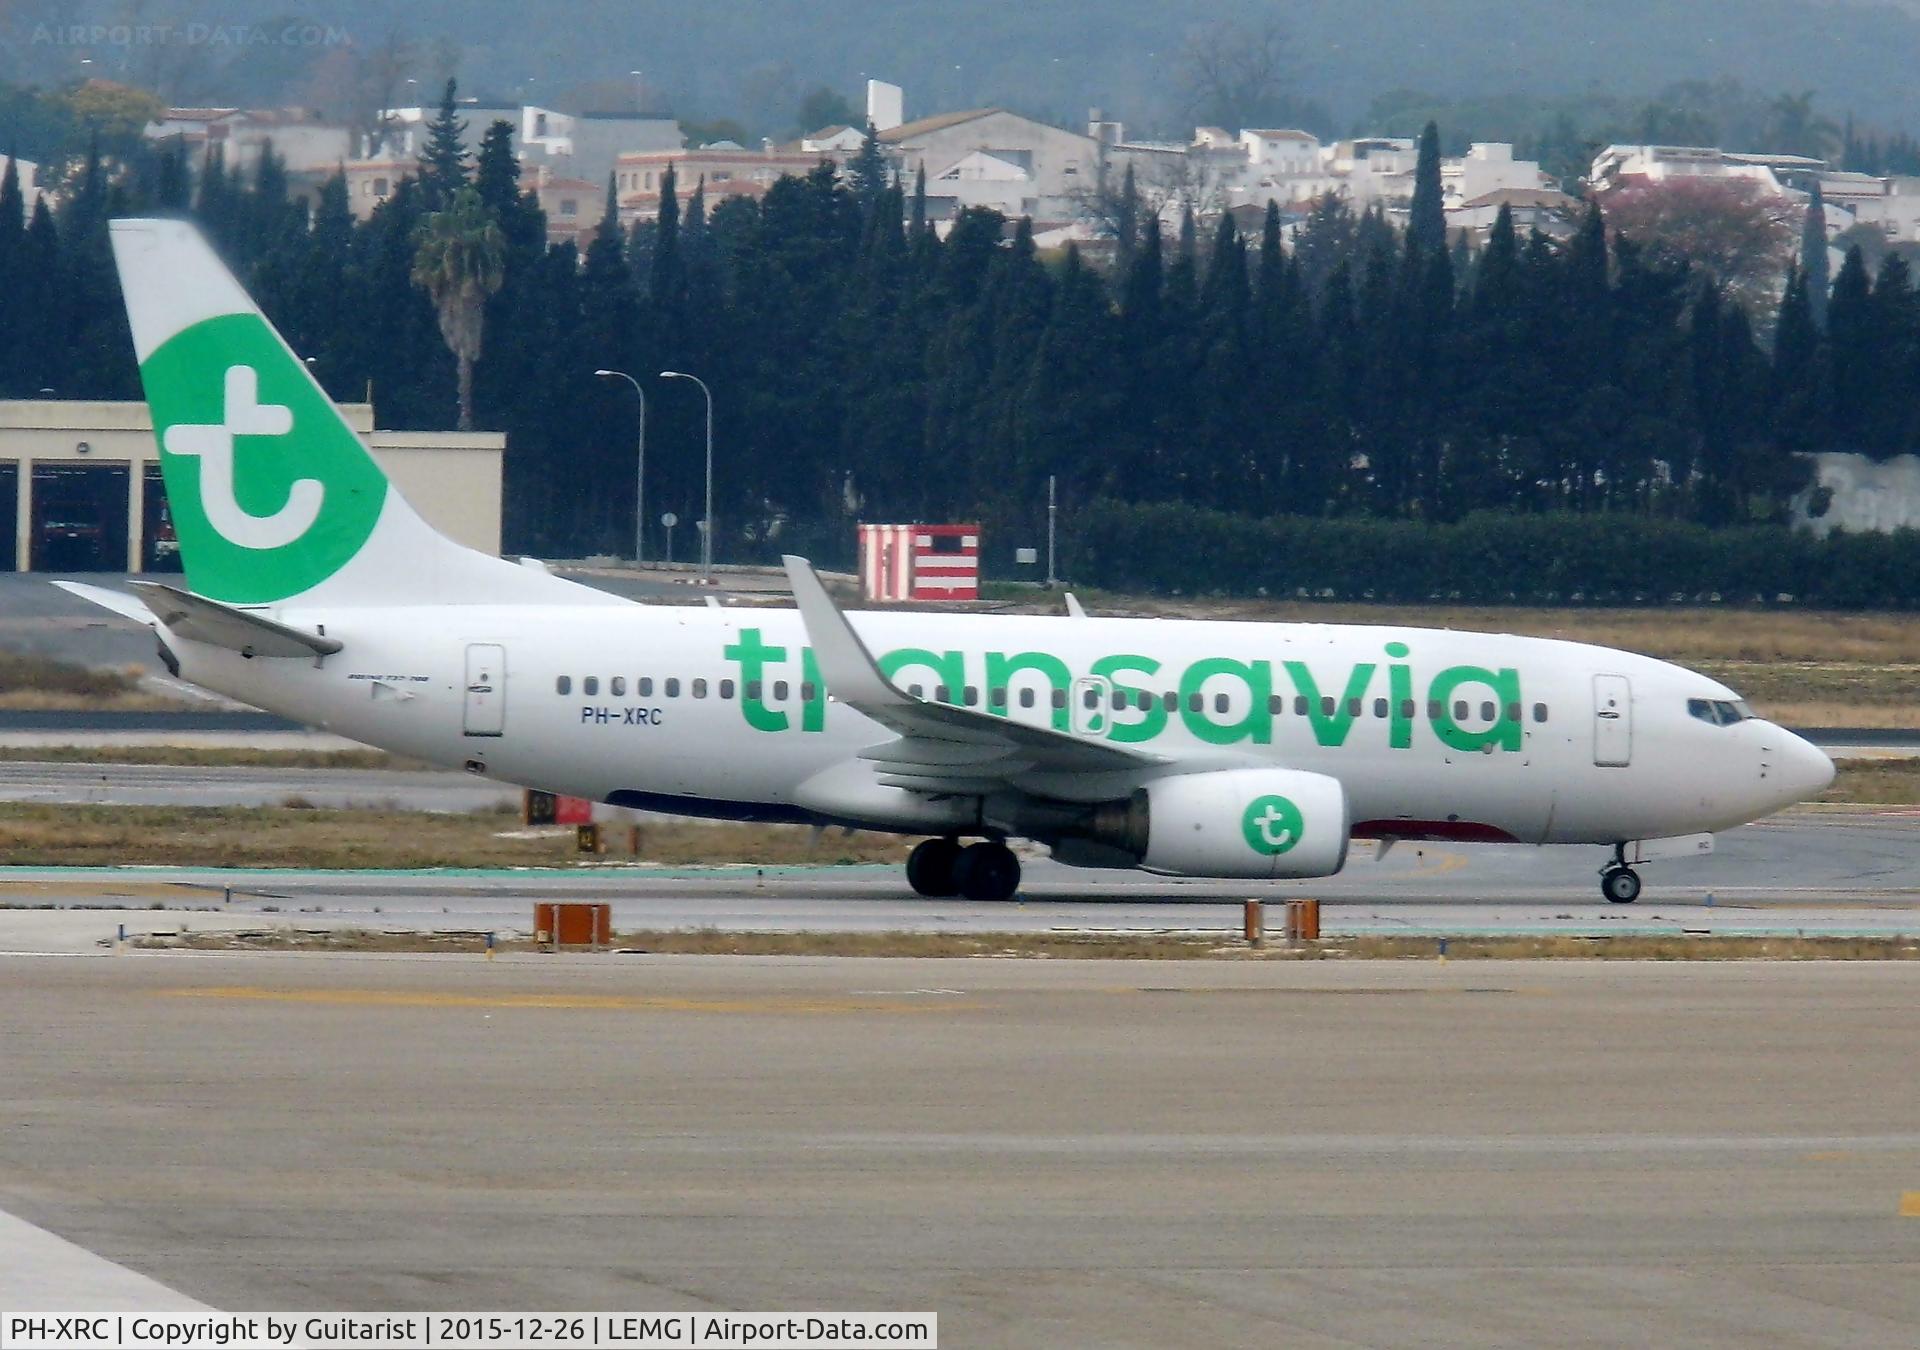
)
(1272, 824)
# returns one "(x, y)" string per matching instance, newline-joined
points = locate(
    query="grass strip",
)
(1085, 946)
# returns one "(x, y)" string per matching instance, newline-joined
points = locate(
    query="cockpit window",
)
(1719, 711)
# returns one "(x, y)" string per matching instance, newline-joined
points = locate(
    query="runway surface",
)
(1104, 1153)
(1814, 872)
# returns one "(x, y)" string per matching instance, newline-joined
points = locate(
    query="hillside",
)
(752, 58)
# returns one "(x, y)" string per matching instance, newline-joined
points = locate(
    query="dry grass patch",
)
(1691, 636)
(1877, 782)
(1085, 946)
(293, 835)
(39, 682)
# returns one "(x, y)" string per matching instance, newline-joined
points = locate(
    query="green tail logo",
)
(271, 492)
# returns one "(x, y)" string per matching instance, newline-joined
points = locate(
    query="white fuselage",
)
(1433, 733)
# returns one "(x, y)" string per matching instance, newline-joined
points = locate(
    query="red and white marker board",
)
(920, 562)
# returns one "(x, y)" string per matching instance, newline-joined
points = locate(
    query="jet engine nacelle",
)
(1263, 823)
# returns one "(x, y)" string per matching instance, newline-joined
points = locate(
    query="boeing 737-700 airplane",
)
(1199, 749)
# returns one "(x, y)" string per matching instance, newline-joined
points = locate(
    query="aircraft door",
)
(1612, 721)
(486, 701)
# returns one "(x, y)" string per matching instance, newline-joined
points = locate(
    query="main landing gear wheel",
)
(1620, 885)
(987, 872)
(930, 867)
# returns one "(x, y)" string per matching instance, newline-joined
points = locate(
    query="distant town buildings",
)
(304, 140)
(1889, 206)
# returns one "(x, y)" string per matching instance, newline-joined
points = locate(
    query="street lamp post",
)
(706, 528)
(640, 470)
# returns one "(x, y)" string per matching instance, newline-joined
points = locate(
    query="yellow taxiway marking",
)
(383, 998)
(1910, 1204)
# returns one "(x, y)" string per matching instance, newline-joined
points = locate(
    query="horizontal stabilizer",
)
(199, 619)
(126, 606)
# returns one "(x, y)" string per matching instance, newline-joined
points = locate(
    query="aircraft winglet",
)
(845, 663)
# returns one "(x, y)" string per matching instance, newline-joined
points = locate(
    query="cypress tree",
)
(443, 160)
(14, 320)
(919, 222)
(1854, 344)
(44, 361)
(666, 281)
(868, 171)
(1813, 255)
(1126, 224)
(1427, 222)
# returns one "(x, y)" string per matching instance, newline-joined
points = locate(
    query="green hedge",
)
(1490, 559)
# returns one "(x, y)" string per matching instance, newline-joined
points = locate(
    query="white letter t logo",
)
(245, 415)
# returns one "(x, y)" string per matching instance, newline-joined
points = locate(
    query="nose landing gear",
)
(1620, 885)
(1618, 882)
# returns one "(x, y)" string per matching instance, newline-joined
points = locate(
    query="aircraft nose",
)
(1801, 769)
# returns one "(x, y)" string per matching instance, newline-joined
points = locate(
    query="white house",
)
(304, 140)
(1060, 166)
(29, 175)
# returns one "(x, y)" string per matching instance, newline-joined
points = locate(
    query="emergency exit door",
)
(486, 709)
(1612, 721)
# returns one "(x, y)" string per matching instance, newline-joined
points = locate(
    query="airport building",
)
(81, 483)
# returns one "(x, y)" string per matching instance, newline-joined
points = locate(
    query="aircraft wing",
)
(941, 748)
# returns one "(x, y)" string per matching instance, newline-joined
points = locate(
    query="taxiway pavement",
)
(1047, 1153)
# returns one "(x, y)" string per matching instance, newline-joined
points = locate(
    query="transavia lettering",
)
(1220, 700)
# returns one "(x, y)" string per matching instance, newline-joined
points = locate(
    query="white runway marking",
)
(43, 1273)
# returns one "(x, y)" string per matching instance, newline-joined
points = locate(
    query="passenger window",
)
(1486, 712)
(1460, 710)
(590, 686)
(997, 697)
(563, 684)
(1195, 703)
(942, 694)
(1379, 707)
(1119, 700)
(644, 686)
(1406, 708)
(1170, 701)
(726, 689)
(673, 687)
(1276, 704)
(917, 690)
(807, 690)
(1220, 703)
(1059, 698)
(780, 690)
(1539, 712)
(1026, 698)
(1142, 700)
(617, 686)
(1091, 698)
(1513, 712)
(1328, 706)
(1300, 705)
(753, 689)
(699, 688)
(1433, 709)
(970, 695)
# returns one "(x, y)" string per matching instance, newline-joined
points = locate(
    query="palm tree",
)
(460, 260)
